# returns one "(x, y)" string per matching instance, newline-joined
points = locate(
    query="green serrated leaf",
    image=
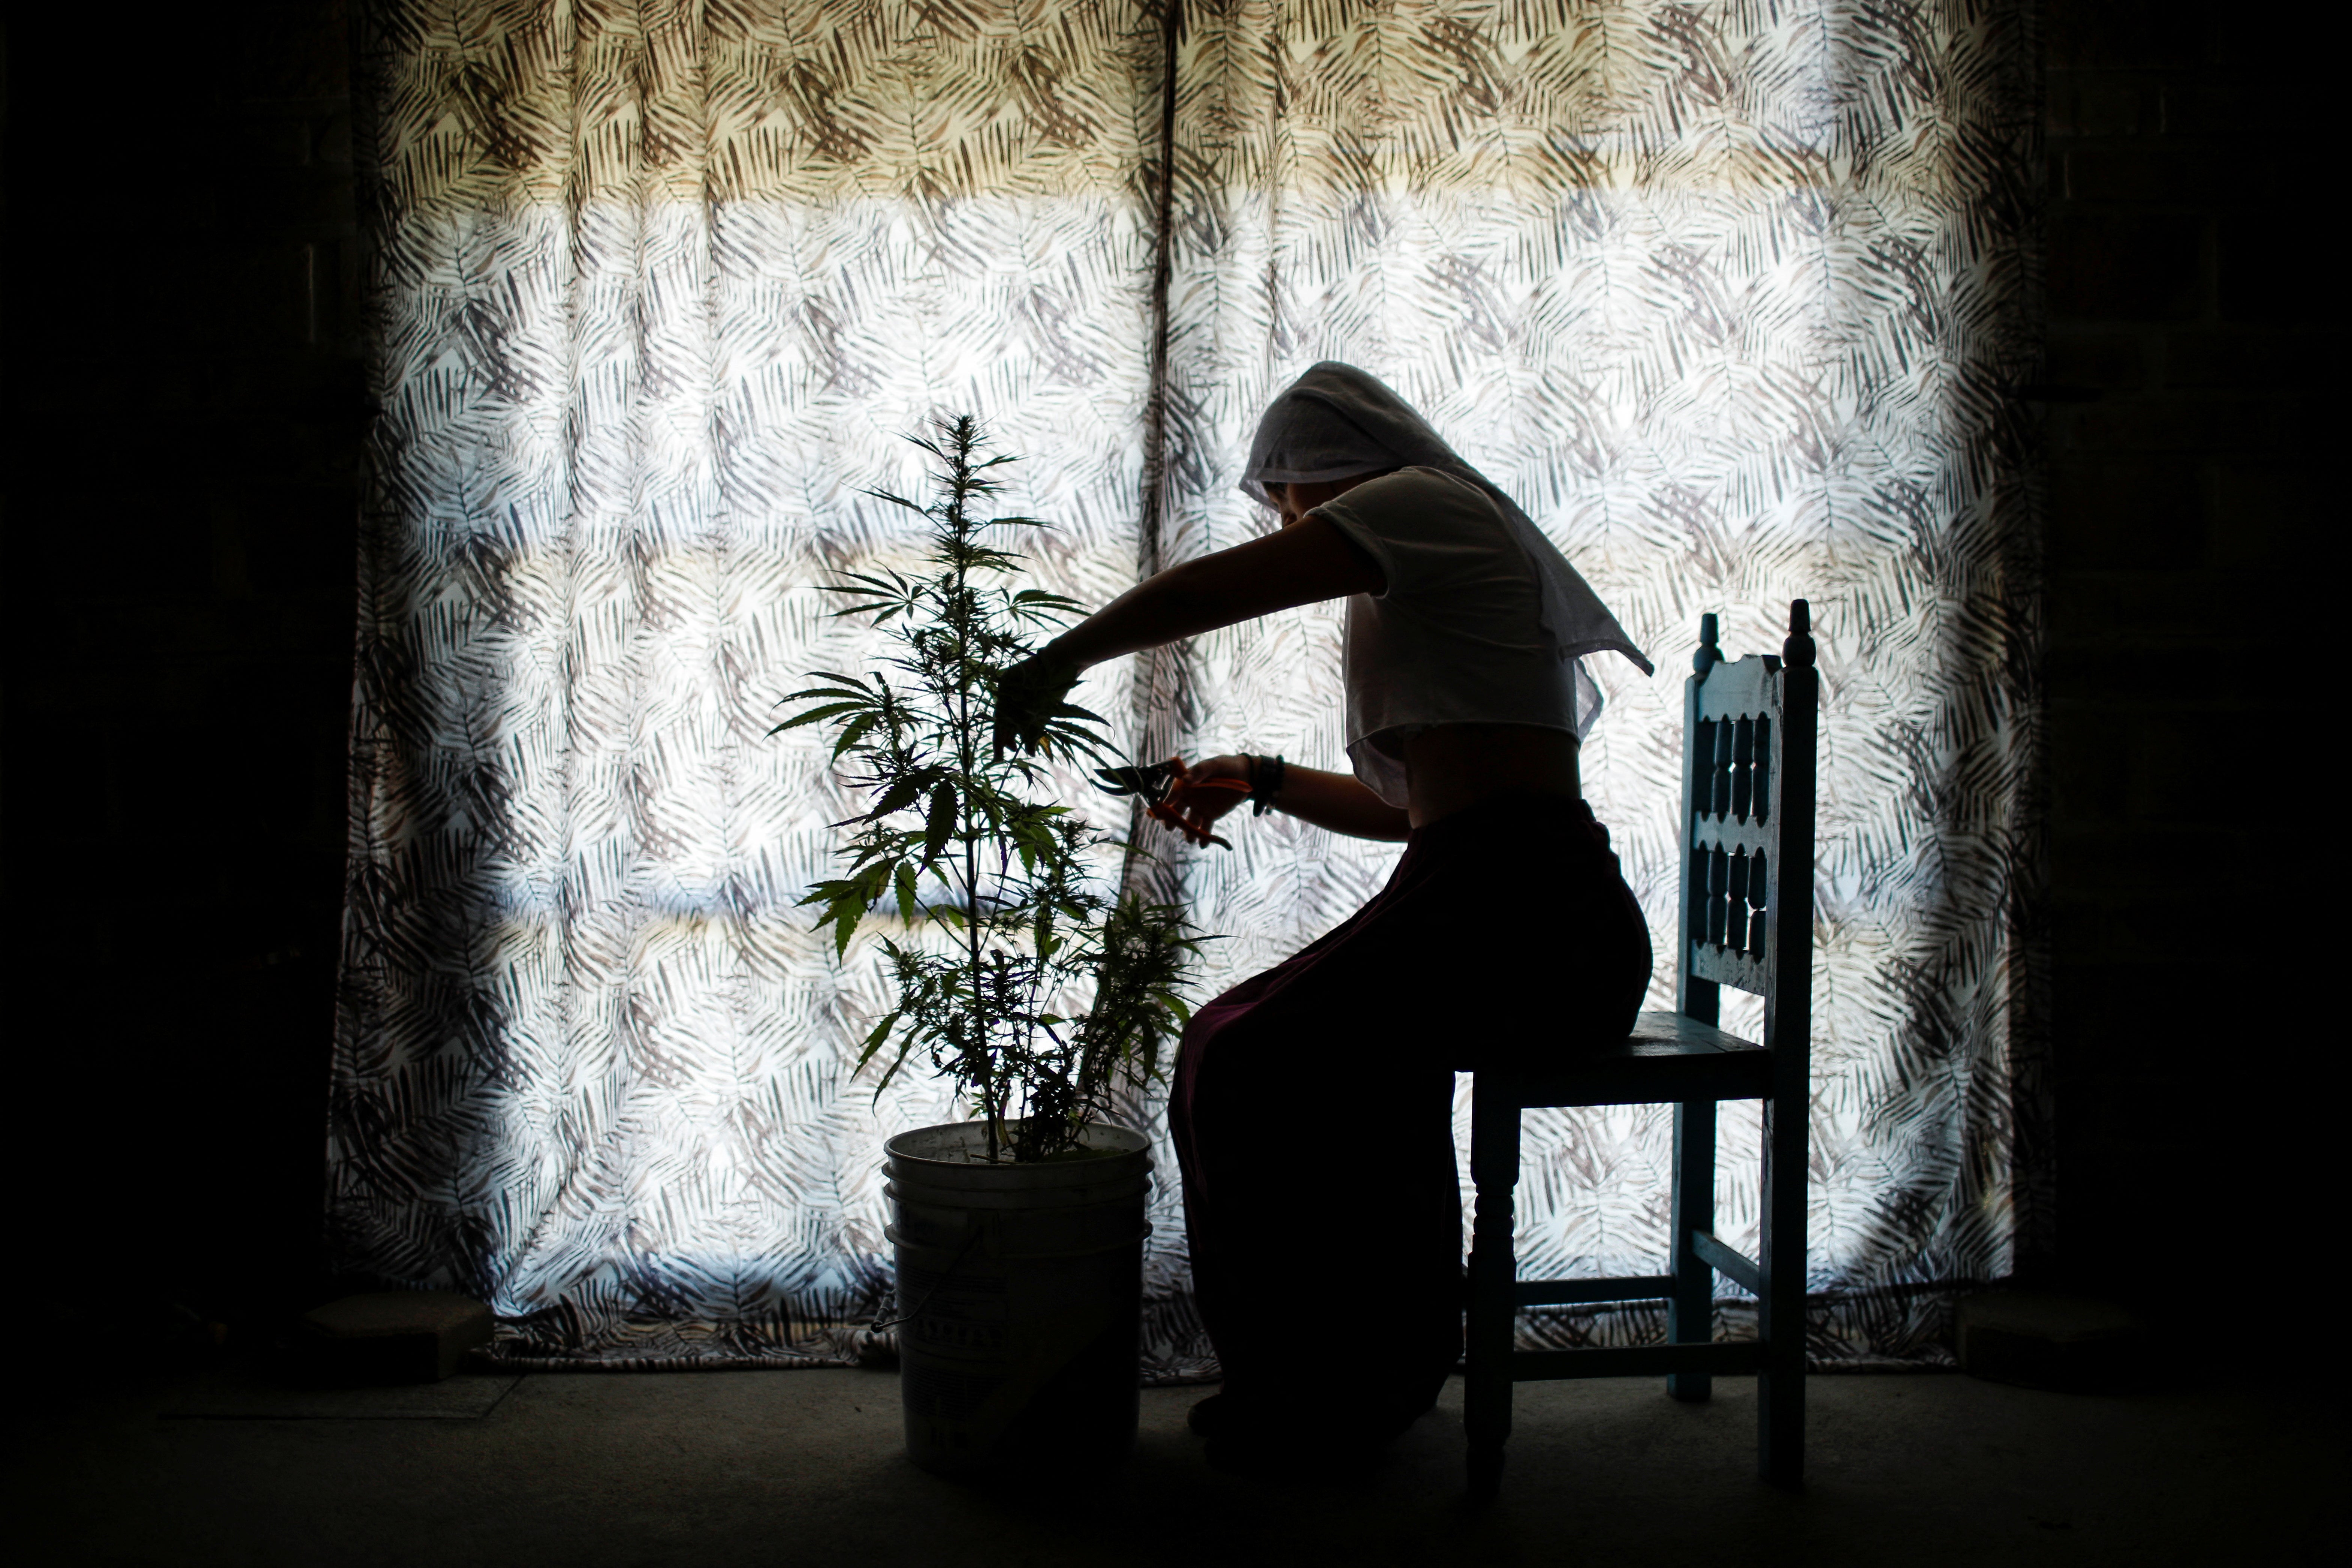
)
(854, 732)
(940, 824)
(898, 797)
(819, 714)
(875, 1037)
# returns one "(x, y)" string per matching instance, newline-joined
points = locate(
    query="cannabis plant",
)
(961, 838)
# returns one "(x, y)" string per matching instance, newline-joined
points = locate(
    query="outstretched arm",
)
(1308, 561)
(1300, 564)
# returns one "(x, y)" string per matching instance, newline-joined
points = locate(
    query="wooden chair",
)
(1748, 733)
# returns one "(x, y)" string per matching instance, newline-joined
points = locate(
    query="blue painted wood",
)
(1788, 1037)
(1708, 655)
(1568, 1292)
(1642, 1072)
(1667, 1057)
(1696, 998)
(1750, 735)
(1736, 1266)
(1728, 693)
(1690, 1315)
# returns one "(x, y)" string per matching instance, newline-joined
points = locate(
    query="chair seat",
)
(1666, 1057)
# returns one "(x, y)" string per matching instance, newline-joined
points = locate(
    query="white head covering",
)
(1337, 422)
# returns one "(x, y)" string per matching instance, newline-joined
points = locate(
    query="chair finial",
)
(1798, 651)
(1708, 655)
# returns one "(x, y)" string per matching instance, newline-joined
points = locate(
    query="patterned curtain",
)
(1726, 294)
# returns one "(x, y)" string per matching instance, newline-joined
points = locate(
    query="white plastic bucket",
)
(1020, 1296)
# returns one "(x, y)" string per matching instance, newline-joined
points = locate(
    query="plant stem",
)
(968, 829)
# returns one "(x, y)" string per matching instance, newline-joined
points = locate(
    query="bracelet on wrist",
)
(1265, 783)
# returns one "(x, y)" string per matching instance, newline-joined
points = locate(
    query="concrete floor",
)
(804, 1467)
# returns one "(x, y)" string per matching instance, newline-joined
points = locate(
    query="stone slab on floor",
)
(391, 1336)
(2040, 1339)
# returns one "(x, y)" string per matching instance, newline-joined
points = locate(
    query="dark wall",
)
(184, 406)
(184, 385)
(2187, 320)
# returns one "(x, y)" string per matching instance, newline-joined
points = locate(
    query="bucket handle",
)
(936, 1286)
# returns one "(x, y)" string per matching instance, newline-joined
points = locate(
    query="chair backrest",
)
(1748, 737)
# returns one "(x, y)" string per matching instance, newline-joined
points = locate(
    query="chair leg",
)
(1493, 1274)
(1690, 1314)
(1780, 1314)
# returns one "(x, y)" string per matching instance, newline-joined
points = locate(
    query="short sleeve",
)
(1429, 533)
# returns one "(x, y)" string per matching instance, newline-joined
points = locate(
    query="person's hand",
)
(1028, 695)
(1206, 791)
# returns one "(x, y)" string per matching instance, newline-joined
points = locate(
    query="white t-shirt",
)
(1458, 635)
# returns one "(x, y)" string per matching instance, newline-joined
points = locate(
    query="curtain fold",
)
(1727, 295)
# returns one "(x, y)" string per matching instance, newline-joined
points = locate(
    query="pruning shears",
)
(1157, 785)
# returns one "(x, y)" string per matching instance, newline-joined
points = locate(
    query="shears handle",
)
(1161, 786)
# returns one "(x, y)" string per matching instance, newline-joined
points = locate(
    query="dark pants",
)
(1313, 1105)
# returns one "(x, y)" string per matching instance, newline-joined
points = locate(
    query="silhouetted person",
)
(1313, 1104)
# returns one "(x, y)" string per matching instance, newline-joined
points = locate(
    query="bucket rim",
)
(1124, 1142)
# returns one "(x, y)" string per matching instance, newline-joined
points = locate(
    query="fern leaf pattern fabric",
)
(1725, 294)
